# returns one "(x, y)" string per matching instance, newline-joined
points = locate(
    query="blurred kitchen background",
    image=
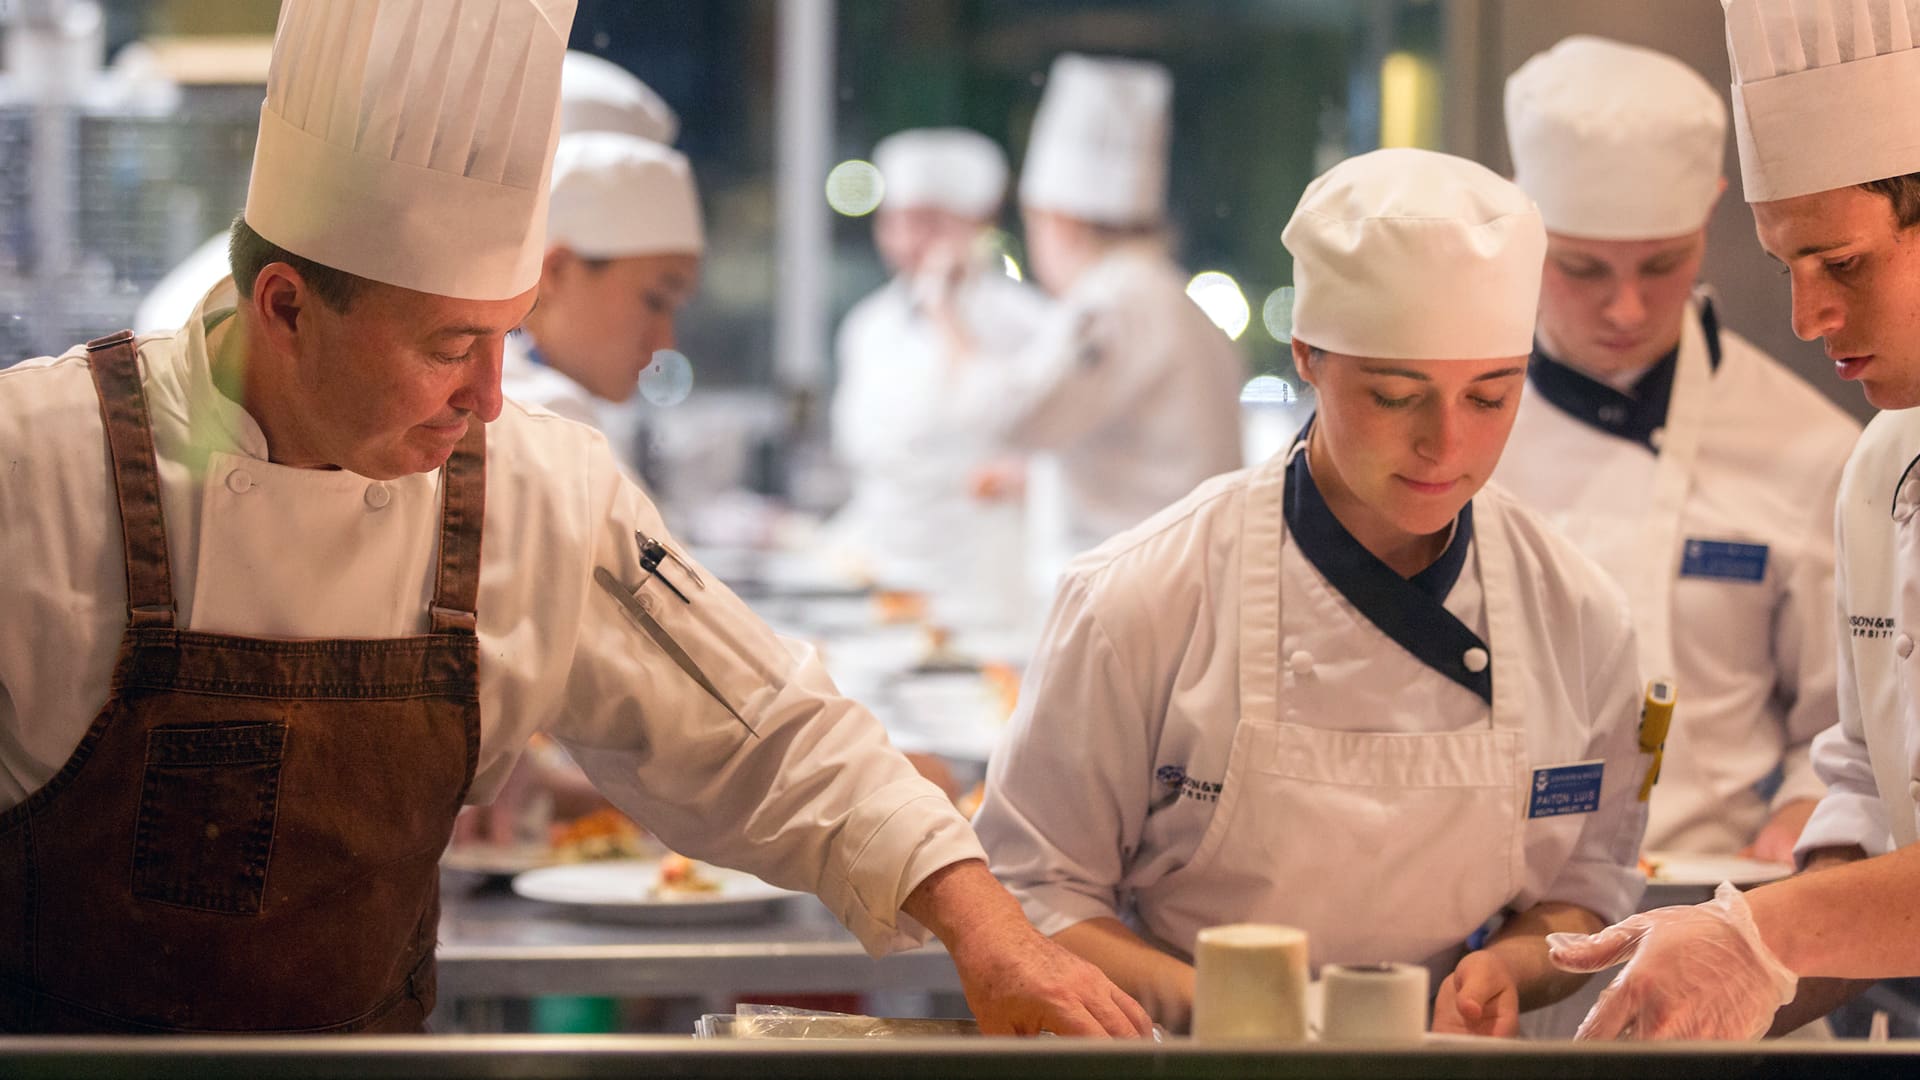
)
(126, 130)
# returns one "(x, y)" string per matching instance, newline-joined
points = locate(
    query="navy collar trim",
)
(1408, 610)
(1633, 416)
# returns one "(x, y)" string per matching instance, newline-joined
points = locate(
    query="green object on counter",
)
(554, 1015)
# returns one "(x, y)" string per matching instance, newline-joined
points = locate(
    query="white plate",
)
(1674, 868)
(623, 889)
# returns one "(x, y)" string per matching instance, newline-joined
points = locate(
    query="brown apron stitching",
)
(123, 412)
(463, 495)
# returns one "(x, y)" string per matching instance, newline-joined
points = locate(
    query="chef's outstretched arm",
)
(1017, 982)
(1722, 969)
(1492, 986)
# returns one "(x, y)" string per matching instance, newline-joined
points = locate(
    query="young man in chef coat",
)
(624, 245)
(1128, 386)
(920, 515)
(1349, 690)
(257, 653)
(1693, 467)
(1830, 159)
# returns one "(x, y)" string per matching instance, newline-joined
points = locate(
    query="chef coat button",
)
(1476, 660)
(239, 481)
(1903, 645)
(1657, 437)
(1913, 791)
(378, 496)
(1301, 662)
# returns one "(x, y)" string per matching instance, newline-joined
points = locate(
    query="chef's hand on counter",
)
(1017, 981)
(1492, 985)
(1481, 997)
(1699, 972)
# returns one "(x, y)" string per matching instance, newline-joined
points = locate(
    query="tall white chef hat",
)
(1100, 141)
(597, 94)
(409, 141)
(1823, 92)
(617, 195)
(1411, 255)
(962, 172)
(1615, 142)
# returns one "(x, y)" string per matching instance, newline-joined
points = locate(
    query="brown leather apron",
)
(247, 838)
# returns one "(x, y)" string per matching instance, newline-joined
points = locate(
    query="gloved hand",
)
(1697, 972)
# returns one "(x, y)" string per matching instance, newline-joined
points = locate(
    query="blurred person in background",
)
(1128, 386)
(935, 505)
(624, 244)
(1699, 471)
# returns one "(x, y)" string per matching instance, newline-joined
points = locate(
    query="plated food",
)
(673, 891)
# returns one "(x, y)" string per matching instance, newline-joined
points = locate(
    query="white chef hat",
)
(1615, 142)
(597, 94)
(1823, 93)
(956, 170)
(618, 195)
(1100, 141)
(408, 141)
(1410, 255)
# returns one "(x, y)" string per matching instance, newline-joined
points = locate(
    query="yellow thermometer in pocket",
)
(1656, 716)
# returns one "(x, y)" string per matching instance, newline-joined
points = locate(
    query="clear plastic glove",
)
(1699, 972)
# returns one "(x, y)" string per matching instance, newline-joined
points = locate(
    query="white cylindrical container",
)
(1373, 1003)
(1250, 982)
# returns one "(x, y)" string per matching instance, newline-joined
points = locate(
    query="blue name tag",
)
(1566, 789)
(1724, 560)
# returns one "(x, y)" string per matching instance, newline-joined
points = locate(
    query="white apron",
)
(1349, 815)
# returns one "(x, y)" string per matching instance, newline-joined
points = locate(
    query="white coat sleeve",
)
(1805, 658)
(814, 799)
(1851, 811)
(1066, 794)
(1087, 364)
(1603, 873)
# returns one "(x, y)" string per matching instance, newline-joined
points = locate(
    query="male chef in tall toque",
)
(286, 587)
(1830, 159)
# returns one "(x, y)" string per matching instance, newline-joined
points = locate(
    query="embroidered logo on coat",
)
(1174, 776)
(1870, 627)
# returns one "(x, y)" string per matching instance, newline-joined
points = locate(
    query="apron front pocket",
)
(207, 804)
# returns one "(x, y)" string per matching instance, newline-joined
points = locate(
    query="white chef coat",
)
(818, 801)
(1702, 491)
(524, 379)
(1131, 387)
(1870, 760)
(912, 517)
(1200, 659)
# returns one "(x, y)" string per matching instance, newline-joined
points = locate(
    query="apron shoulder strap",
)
(463, 491)
(136, 478)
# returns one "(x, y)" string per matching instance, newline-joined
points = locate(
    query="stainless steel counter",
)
(568, 1057)
(494, 944)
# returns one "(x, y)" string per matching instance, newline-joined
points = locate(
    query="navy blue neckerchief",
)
(1633, 416)
(1408, 610)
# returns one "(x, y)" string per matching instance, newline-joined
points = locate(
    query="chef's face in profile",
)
(1410, 440)
(908, 236)
(1856, 285)
(387, 386)
(1609, 307)
(601, 320)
